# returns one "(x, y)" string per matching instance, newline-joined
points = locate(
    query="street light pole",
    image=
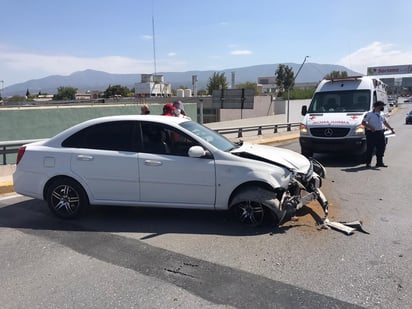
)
(300, 68)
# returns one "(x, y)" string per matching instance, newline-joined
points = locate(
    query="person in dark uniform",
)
(374, 123)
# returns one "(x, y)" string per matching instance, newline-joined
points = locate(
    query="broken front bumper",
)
(304, 189)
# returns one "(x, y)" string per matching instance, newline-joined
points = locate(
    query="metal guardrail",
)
(10, 147)
(274, 128)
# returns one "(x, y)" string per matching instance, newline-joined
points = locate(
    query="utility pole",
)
(294, 78)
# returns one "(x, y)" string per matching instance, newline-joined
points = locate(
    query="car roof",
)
(156, 118)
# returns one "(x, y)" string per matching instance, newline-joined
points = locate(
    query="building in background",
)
(397, 77)
(153, 86)
(86, 96)
(268, 85)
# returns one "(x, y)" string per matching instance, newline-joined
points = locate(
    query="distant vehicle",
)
(333, 120)
(408, 100)
(389, 107)
(170, 162)
(408, 119)
(393, 100)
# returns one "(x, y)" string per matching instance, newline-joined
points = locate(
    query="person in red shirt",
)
(168, 109)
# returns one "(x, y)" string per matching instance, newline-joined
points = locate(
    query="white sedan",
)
(161, 161)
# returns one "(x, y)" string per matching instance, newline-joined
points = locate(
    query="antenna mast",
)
(154, 52)
(154, 44)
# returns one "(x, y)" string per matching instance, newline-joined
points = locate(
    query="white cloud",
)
(147, 37)
(240, 52)
(171, 54)
(375, 54)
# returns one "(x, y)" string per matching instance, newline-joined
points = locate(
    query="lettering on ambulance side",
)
(313, 121)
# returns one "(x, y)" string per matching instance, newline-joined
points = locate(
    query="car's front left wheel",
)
(66, 198)
(253, 205)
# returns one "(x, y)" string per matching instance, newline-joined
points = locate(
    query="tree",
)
(27, 92)
(65, 93)
(216, 82)
(301, 94)
(116, 90)
(285, 78)
(336, 74)
(202, 92)
(248, 85)
(16, 98)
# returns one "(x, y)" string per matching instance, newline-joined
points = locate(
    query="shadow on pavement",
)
(34, 214)
(341, 160)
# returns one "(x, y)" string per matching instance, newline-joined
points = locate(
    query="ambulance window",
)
(332, 103)
(361, 101)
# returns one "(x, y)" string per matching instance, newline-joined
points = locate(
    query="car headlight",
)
(303, 129)
(360, 130)
(318, 168)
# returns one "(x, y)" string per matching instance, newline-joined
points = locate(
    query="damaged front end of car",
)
(304, 180)
(303, 188)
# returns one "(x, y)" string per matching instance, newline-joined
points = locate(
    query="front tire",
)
(66, 198)
(253, 205)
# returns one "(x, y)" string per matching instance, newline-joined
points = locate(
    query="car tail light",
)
(20, 154)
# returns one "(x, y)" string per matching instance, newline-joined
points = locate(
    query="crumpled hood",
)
(285, 157)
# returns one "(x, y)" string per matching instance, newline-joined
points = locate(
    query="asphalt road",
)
(157, 258)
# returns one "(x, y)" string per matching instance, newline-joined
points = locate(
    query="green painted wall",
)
(43, 122)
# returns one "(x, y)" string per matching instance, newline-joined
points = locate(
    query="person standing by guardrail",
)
(145, 110)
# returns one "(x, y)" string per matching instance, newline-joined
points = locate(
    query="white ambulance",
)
(332, 122)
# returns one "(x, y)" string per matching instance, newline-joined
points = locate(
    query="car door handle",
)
(152, 163)
(84, 158)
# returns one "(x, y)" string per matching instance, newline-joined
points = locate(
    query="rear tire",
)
(66, 198)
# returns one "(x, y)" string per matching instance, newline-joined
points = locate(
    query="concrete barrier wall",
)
(280, 107)
(43, 122)
(262, 106)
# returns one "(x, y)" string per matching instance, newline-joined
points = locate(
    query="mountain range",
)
(98, 80)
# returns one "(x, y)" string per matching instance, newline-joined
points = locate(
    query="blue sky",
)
(47, 37)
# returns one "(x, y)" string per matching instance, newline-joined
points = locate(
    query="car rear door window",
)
(115, 135)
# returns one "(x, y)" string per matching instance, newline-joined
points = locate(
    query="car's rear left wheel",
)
(66, 198)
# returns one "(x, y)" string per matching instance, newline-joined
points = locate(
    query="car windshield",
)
(340, 101)
(210, 136)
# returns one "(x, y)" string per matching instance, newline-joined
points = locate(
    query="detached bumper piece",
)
(347, 228)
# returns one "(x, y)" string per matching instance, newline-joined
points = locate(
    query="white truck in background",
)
(332, 122)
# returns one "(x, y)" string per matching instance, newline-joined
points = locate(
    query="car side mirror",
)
(304, 110)
(197, 152)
